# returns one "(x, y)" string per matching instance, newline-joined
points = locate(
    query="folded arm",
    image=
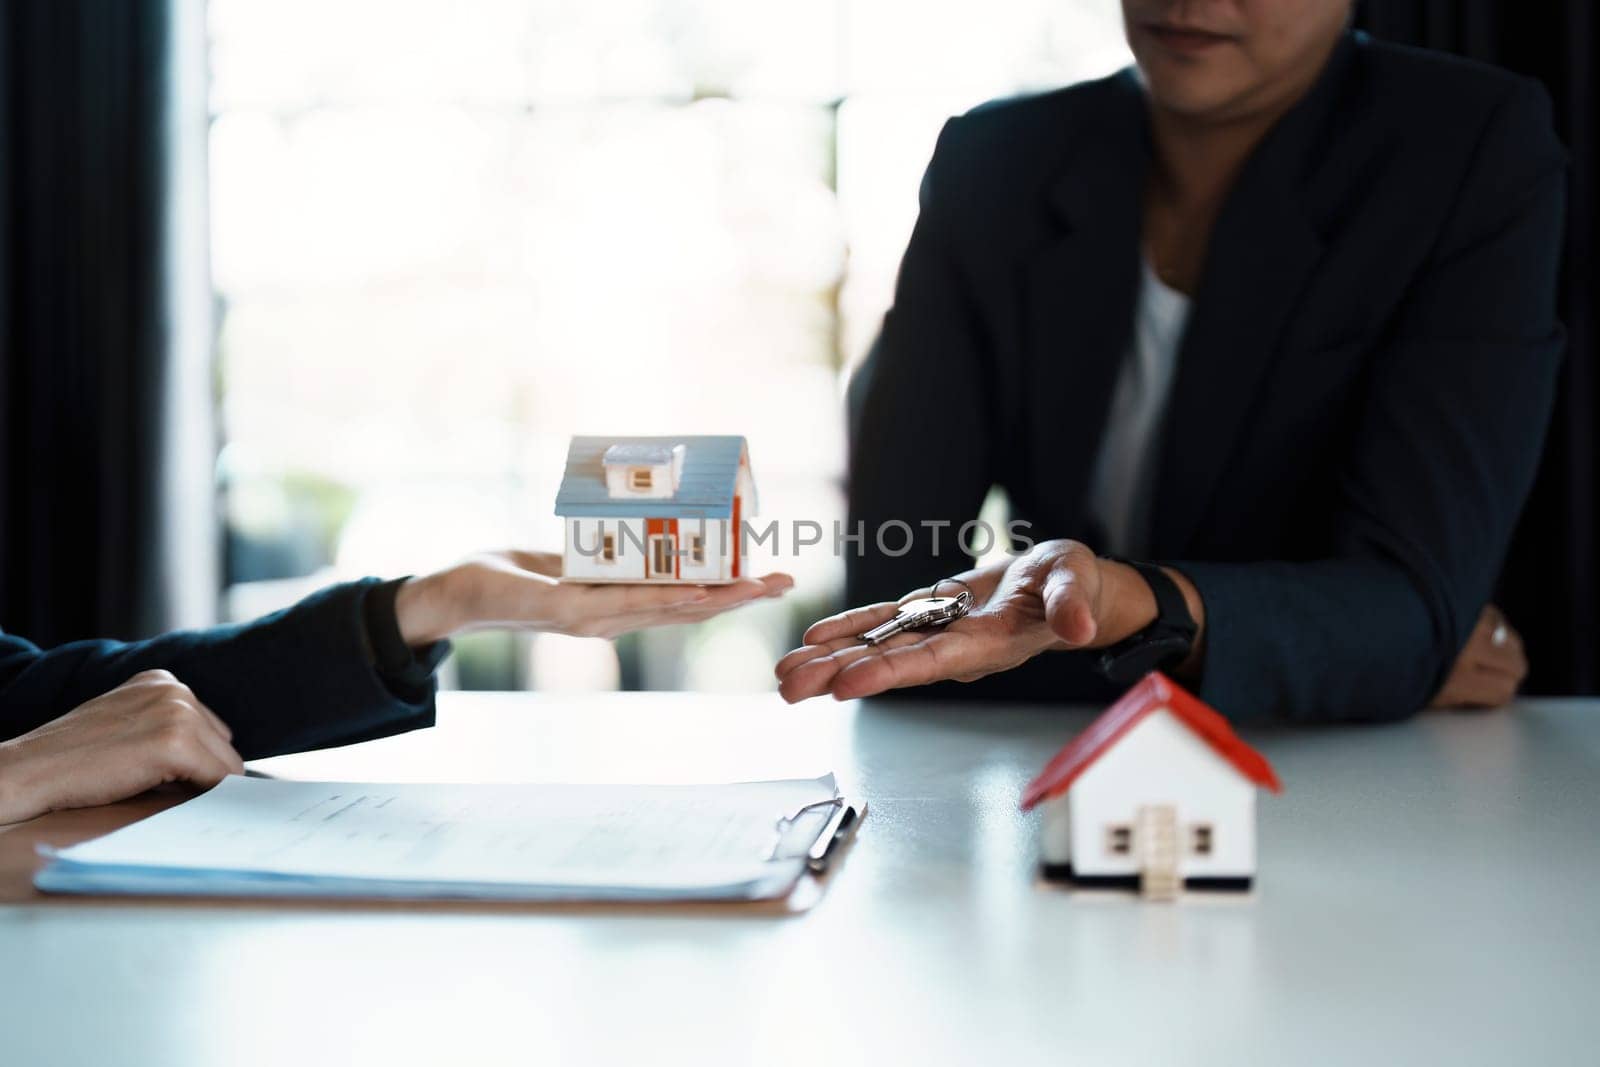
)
(1437, 471)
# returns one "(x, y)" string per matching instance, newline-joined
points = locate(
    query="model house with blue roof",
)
(655, 509)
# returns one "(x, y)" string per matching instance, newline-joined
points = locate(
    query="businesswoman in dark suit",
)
(1271, 320)
(95, 721)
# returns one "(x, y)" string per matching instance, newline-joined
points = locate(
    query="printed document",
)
(269, 837)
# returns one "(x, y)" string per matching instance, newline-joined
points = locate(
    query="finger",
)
(1476, 688)
(695, 613)
(221, 751)
(1066, 604)
(681, 608)
(812, 676)
(1493, 621)
(189, 758)
(1490, 689)
(213, 721)
(1513, 641)
(678, 616)
(816, 676)
(205, 718)
(1505, 659)
(164, 686)
(930, 658)
(805, 653)
(545, 563)
(745, 589)
(777, 583)
(705, 602)
(852, 623)
(155, 676)
(602, 603)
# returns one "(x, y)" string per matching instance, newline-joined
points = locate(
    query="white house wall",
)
(1160, 761)
(590, 564)
(1055, 832)
(719, 550)
(629, 565)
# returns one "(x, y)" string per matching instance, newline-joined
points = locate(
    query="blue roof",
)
(645, 455)
(705, 490)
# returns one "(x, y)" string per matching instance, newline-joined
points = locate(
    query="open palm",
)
(518, 590)
(1043, 600)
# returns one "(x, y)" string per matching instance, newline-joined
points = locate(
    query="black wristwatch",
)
(1163, 643)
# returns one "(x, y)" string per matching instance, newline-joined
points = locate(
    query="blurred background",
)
(445, 236)
(301, 291)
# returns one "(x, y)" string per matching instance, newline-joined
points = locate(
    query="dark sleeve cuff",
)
(406, 672)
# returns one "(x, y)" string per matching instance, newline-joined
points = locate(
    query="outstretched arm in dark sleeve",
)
(305, 677)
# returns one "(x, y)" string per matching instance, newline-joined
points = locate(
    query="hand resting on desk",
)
(149, 730)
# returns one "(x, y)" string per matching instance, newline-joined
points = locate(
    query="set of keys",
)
(923, 613)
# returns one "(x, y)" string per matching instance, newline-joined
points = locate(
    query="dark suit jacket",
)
(298, 679)
(1362, 392)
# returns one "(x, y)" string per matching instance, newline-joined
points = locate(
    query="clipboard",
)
(840, 829)
(169, 855)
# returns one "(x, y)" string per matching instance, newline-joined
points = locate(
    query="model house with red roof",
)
(1158, 793)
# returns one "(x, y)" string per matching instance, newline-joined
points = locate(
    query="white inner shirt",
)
(1124, 474)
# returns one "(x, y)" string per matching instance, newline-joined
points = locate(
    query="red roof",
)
(1153, 692)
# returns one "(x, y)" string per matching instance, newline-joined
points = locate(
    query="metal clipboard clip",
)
(839, 829)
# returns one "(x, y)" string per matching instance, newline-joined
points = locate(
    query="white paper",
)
(272, 837)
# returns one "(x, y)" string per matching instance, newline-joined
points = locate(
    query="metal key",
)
(920, 614)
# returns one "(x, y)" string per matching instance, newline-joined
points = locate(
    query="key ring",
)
(965, 596)
(922, 612)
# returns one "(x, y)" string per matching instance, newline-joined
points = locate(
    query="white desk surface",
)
(1429, 892)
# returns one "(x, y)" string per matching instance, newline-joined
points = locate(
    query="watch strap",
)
(1166, 640)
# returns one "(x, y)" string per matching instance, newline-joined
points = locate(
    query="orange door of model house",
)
(661, 548)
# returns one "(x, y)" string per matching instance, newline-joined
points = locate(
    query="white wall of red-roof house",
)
(1158, 761)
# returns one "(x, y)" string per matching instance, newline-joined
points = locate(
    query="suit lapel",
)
(1261, 253)
(1080, 290)
(1263, 250)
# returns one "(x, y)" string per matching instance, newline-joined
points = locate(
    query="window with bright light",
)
(448, 235)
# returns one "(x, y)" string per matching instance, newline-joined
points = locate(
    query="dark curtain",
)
(1550, 587)
(84, 335)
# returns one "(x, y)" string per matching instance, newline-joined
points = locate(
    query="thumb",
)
(1067, 608)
